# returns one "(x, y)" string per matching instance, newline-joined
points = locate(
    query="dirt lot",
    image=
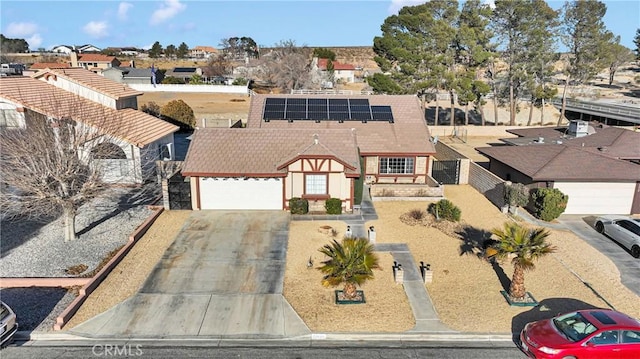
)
(204, 105)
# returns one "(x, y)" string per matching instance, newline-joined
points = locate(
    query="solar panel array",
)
(324, 109)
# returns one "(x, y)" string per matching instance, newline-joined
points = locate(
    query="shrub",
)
(240, 81)
(548, 203)
(416, 214)
(178, 111)
(170, 80)
(333, 206)
(151, 108)
(516, 194)
(445, 209)
(298, 205)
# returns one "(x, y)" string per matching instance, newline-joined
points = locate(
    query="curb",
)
(309, 340)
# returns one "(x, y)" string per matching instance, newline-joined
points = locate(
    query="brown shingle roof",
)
(134, 126)
(609, 141)
(407, 135)
(551, 162)
(253, 152)
(91, 80)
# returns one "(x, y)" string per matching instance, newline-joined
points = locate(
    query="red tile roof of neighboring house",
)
(136, 127)
(254, 152)
(91, 80)
(553, 162)
(96, 58)
(205, 49)
(408, 135)
(50, 65)
(322, 65)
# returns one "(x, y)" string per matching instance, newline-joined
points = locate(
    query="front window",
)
(396, 165)
(574, 326)
(315, 184)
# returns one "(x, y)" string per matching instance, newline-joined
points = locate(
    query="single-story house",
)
(92, 86)
(130, 75)
(596, 166)
(313, 147)
(93, 62)
(137, 139)
(183, 73)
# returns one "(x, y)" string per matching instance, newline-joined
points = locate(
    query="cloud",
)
(167, 10)
(123, 9)
(396, 5)
(96, 29)
(21, 29)
(34, 41)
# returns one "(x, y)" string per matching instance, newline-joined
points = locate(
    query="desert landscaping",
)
(465, 289)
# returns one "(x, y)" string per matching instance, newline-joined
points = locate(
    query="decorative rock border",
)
(92, 283)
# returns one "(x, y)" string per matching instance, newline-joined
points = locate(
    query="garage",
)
(240, 193)
(597, 197)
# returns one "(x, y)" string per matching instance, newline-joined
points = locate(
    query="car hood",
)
(544, 333)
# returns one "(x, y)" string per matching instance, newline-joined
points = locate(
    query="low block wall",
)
(485, 182)
(191, 88)
(405, 190)
(94, 282)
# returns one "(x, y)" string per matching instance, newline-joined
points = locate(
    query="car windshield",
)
(574, 326)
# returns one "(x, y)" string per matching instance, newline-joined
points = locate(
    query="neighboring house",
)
(141, 138)
(183, 73)
(313, 147)
(93, 62)
(68, 49)
(130, 75)
(598, 167)
(91, 86)
(341, 72)
(202, 52)
(38, 66)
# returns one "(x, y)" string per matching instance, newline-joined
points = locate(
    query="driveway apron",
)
(221, 277)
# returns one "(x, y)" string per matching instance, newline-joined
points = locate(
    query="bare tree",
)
(58, 161)
(287, 66)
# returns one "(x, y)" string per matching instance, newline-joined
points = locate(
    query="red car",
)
(593, 333)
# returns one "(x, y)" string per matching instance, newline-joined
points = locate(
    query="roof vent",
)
(315, 139)
(602, 149)
(540, 140)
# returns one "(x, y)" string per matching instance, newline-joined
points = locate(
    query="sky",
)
(140, 23)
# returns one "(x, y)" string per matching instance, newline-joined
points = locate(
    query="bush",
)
(240, 81)
(178, 111)
(416, 214)
(516, 194)
(548, 203)
(170, 80)
(445, 209)
(333, 206)
(298, 205)
(151, 108)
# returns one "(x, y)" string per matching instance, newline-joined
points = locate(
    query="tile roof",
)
(50, 65)
(255, 152)
(553, 162)
(407, 135)
(95, 58)
(205, 48)
(322, 65)
(91, 80)
(134, 126)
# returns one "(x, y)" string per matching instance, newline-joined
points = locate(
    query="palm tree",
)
(350, 263)
(527, 245)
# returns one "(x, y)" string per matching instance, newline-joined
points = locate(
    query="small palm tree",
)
(350, 263)
(527, 246)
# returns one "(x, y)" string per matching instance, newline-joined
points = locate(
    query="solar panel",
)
(317, 109)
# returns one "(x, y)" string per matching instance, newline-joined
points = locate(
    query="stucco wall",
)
(394, 190)
(190, 88)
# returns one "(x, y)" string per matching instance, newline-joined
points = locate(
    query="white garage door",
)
(240, 193)
(597, 197)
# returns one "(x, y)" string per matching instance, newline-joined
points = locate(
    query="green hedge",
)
(548, 203)
(333, 206)
(298, 205)
(445, 209)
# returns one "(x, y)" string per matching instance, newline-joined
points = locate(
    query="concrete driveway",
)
(221, 277)
(629, 267)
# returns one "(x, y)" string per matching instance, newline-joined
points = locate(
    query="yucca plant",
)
(350, 263)
(527, 245)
